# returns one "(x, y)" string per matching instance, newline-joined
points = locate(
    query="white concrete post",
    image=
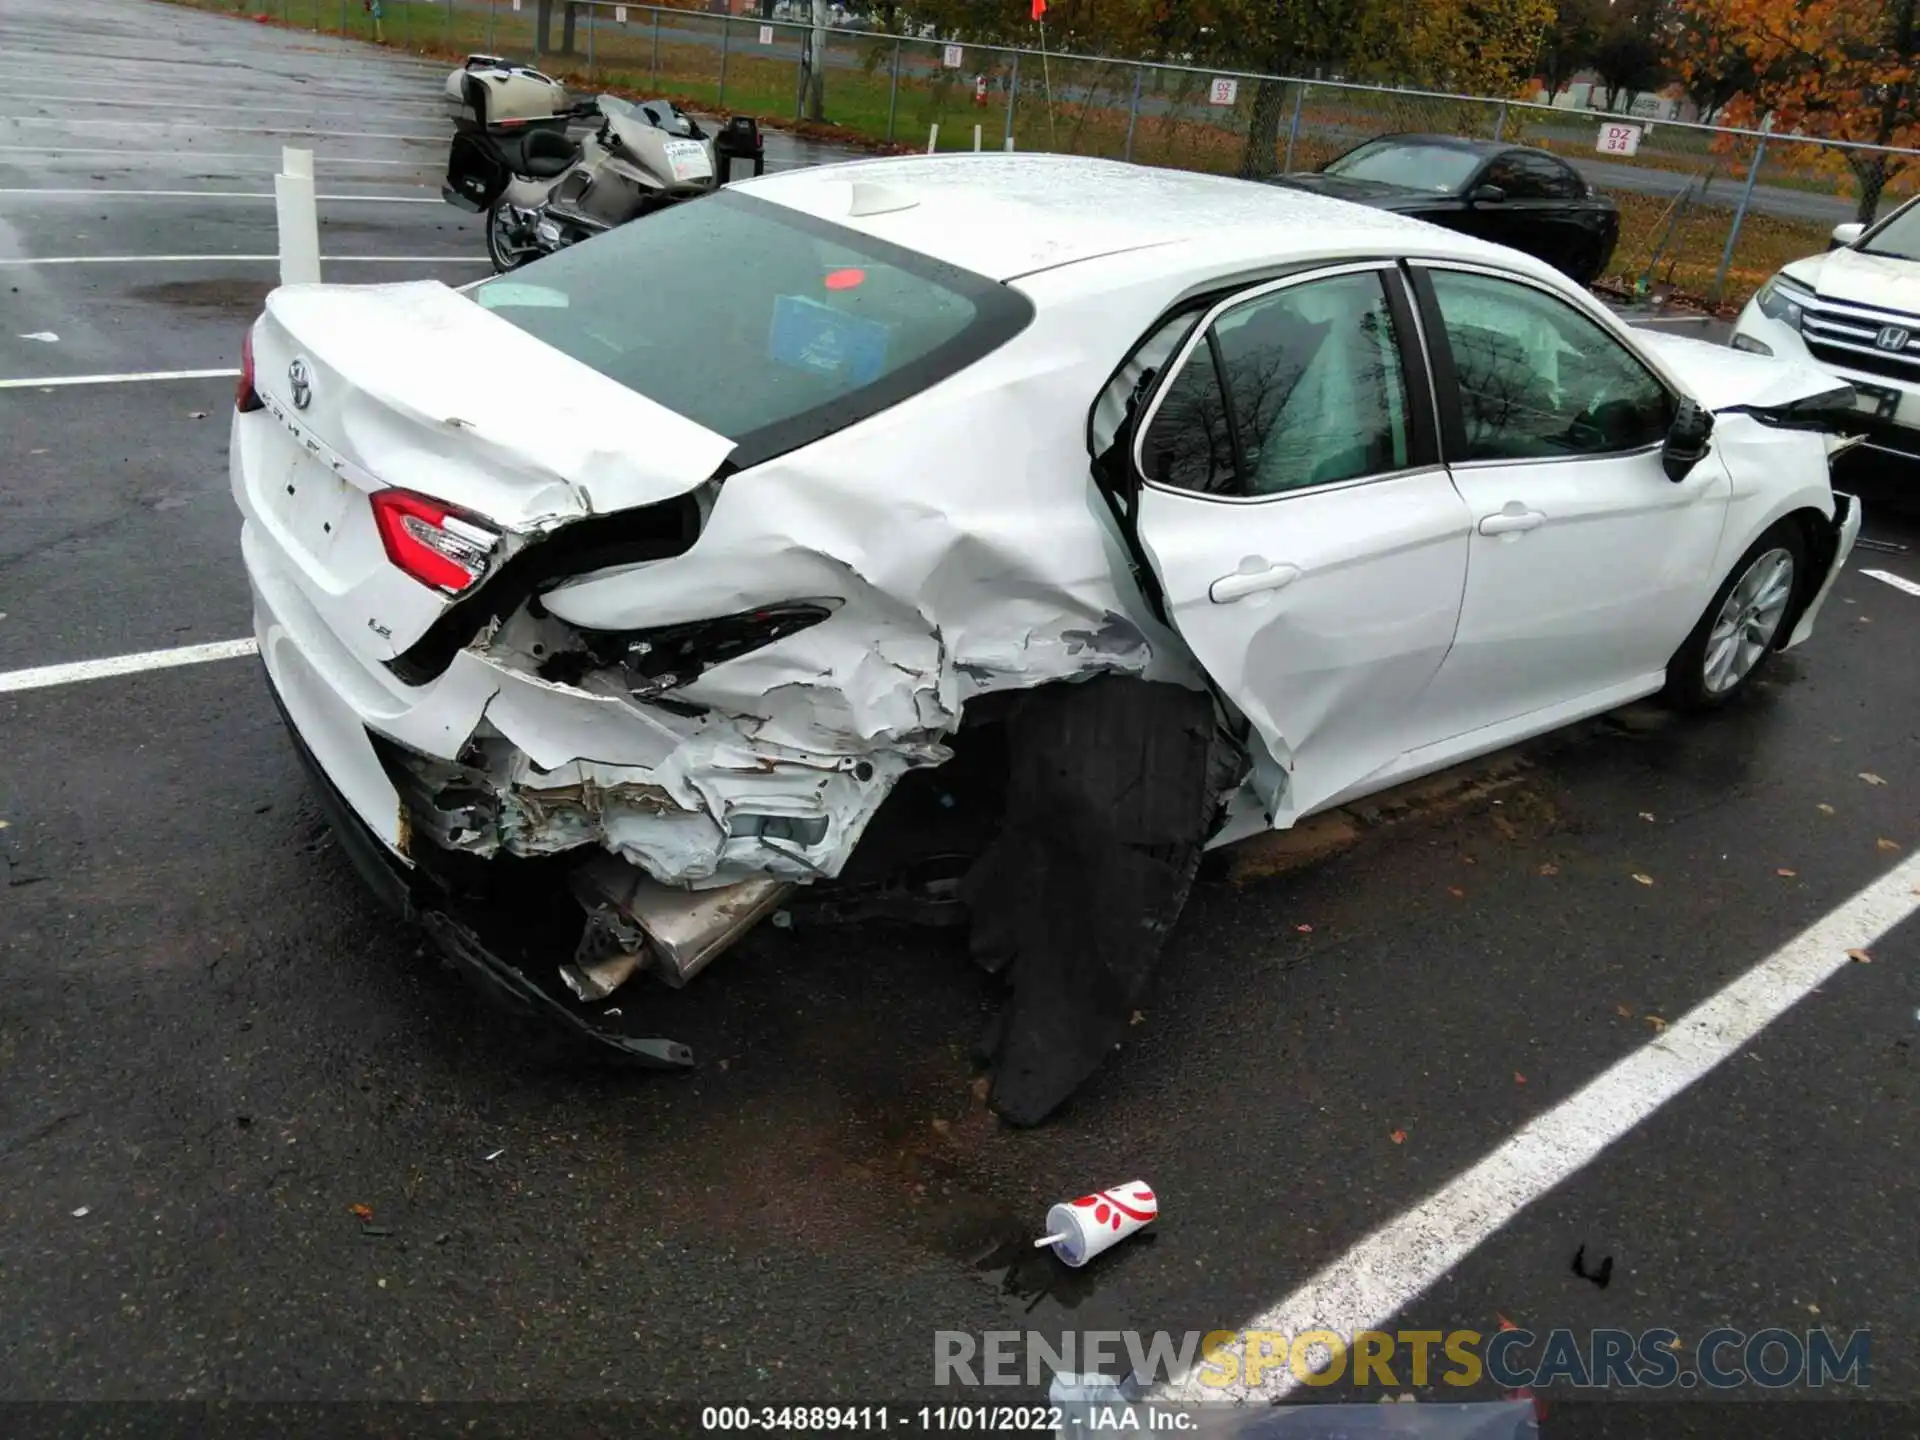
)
(298, 216)
(976, 139)
(933, 139)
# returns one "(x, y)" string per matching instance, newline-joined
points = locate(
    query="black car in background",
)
(1513, 195)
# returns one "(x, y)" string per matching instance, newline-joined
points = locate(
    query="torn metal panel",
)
(683, 932)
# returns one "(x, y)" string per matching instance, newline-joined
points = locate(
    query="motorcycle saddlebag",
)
(477, 173)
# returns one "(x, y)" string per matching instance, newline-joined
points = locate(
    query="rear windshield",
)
(760, 323)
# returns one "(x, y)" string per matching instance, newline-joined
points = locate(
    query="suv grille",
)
(1848, 335)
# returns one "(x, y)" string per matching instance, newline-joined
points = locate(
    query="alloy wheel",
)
(1748, 621)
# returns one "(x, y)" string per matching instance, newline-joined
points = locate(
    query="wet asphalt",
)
(213, 1043)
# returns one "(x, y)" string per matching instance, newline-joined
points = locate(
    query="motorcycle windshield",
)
(757, 322)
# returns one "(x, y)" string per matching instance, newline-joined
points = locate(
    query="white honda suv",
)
(1856, 312)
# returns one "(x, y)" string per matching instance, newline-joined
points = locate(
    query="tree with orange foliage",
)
(1836, 69)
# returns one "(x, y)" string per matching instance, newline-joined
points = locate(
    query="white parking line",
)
(149, 102)
(223, 195)
(241, 259)
(80, 670)
(1887, 577)
(1379, 1277)
(154, 122)
(143, 158)
(55, 382)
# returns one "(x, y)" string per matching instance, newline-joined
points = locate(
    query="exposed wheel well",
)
(1817, 530)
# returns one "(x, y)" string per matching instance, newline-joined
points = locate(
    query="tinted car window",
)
(1133, 381)
(1506, 175)
(1539, 380)
(1189, 445)
(1536, 177)
(1307, 390)
(1563, 182)
(762, 324)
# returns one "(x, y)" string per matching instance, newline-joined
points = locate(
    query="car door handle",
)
(1251, 580)
(1511, 521)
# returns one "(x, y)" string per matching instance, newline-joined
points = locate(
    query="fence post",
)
(1740, 215)
(893, 92)
(726, 45)
(343, 17)
(590, 10)
(1133, 111)
(446, 26)
(491, 4)
(1013, 89)
(1293, 126)
(1500, 123)
(653, 66)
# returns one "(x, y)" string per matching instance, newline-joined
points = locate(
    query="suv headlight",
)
(1783, 300)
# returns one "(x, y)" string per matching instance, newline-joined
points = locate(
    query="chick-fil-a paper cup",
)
(1095, 1223)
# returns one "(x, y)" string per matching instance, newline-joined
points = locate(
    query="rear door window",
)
(762, 324)
(1295, 388)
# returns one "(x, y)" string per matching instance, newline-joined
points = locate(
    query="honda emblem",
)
(300, 384)
(1892, 337)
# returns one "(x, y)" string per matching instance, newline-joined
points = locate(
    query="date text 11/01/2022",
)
(981, 1419)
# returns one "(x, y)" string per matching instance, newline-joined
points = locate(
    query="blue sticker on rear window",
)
(826, 342)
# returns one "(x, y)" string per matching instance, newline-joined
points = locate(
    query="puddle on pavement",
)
(216, 294)
(996, 1244)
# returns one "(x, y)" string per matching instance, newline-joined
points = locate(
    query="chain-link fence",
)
(1705, 212)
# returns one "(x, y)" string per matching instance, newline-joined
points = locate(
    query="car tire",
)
(1743, 624)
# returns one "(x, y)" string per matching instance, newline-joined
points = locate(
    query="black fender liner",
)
(1115, 786)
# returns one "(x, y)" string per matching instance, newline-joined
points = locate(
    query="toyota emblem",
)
(300, 384)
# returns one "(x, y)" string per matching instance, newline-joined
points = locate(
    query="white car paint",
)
(1868, 292)
(962, 537)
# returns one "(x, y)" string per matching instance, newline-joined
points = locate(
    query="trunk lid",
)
(418, 387)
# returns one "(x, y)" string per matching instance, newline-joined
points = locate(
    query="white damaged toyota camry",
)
(974, 540)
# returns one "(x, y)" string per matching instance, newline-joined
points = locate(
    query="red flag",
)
(1039, 9)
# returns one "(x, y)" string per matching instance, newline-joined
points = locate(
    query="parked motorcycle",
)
(542, 190)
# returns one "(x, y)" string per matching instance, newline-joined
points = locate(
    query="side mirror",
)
(1486, 195)
(1845, 235)
(1687, 440)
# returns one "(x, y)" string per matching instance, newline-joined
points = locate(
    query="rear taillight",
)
(432, 542)
(245, 397)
